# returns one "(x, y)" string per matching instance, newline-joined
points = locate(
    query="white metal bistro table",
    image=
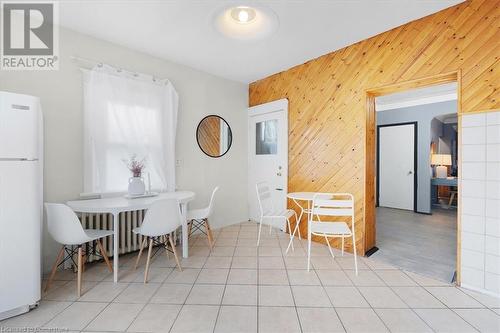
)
(117, 205)
(297, 197)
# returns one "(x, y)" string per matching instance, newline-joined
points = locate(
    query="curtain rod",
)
(118, 69)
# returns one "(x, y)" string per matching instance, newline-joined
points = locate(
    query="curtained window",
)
(127, 115)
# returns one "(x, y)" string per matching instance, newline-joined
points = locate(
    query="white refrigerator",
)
(21, 202)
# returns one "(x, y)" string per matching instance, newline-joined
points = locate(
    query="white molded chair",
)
(268, 211)
(334, 205)
(198, 218)
(66, 229)
(161, 220)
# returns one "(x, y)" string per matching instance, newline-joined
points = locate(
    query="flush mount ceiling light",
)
(243, 14)
(246, 23)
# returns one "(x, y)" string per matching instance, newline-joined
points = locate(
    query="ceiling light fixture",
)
(246, 23)
(243, 14)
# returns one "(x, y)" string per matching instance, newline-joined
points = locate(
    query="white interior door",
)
(396, 166)
(268, 152)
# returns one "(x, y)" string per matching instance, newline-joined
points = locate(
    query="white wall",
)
(200, 94)
(423, 115)
(480, 201)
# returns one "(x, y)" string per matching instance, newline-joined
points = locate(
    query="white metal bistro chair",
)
(198, 218)
(66, 229)
(161, 220)
(337, 205)
(268, 211)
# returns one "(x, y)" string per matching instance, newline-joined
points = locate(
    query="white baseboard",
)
(480, 290)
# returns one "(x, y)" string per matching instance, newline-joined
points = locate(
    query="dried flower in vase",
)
(135, 166)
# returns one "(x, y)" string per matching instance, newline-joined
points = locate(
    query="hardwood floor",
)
(424, 244)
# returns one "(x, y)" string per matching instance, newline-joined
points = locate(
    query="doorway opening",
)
(414, 177)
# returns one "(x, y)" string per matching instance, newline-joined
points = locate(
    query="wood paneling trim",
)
(412, 84)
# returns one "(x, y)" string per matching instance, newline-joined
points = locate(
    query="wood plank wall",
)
(328, 100)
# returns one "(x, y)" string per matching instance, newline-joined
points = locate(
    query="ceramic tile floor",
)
(239, 288)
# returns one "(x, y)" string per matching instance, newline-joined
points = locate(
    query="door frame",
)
(415, 160)
(266, 108)
(369, 217)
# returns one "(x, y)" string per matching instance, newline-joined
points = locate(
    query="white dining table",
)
(117, 205)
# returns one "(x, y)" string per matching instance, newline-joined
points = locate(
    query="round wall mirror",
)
(214, 136)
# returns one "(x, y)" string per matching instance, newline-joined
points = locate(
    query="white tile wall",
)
(474, 206)
(493, 152)
(473, 277)
(474, 135)
(474, 120)
(492, 245)
(474, 259)
(474, 224)
(493, 171)
(474, 170)
(492, 283)
(492, 227)
(493, 134)
(492, 208)
(480, 201)
(473, 153)
(493, 118)
(493, 190)
(474, 188)
(492, 264)
(472, 241)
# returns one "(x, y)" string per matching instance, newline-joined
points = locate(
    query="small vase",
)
(136, 186)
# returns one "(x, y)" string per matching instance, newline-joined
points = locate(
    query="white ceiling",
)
(419, 96)
(182, 30)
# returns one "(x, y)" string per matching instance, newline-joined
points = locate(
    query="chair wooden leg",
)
(209, 235)
(143, 244)
(148, 260)
(210, 230)
(54, 268)
(84, 260)
(104, 255)
(175, 252)
(165, 242)
(79, 272)
(190, 227)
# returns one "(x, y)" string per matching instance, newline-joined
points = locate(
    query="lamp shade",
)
(441, 159)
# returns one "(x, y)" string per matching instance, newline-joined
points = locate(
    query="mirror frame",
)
(230, 131)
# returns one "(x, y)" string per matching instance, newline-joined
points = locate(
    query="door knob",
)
(410, 172)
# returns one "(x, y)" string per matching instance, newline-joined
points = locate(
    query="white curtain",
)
(128, 114)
